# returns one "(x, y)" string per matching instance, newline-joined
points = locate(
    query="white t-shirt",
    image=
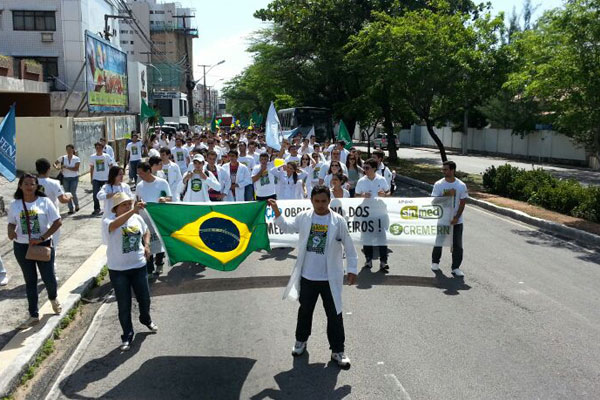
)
(109, 150)
(248, 161)
(42, 214)
(153, 152)
(325, 169)
(67, 173)
(180, 156)
(125, 248)
(101, 166)
(366, 185)
(287, 189)
(346, 194)
(173, 177)
(52, 189)
(315, 259)
(108, 189)
(135, 150)
(456, 189)
(150, 192)
(291, 158)
(265, 186)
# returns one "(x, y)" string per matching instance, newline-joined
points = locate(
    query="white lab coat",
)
(242, 179)
(336, 237)
(222, 177)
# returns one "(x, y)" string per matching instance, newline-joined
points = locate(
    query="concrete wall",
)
(546, 145)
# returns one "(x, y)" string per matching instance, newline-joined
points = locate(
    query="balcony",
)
(160, 27)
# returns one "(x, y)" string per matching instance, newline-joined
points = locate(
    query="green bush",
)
(542, 189)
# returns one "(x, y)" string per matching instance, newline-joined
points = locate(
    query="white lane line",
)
(404, 394)
(79, 352)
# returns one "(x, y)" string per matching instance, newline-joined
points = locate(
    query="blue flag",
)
(8, 145)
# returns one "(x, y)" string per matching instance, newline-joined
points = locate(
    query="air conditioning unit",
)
(47, 37)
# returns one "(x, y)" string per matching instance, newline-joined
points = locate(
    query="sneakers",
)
(384, 267)
(56, 307)
(435, 266)
(341, 360)
(126, 345)
(4, 280)
(368, 264)
(153, 327)
(457, 273)
(299, 348)
(159, 269)
(31, 321)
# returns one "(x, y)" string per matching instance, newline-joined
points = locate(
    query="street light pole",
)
(204, 71)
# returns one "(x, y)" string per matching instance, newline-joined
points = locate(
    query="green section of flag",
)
(146, 111)
(344, 135)
(217, 236)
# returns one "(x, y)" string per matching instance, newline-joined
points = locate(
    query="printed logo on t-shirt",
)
(179, 156)
(166, 172)
(264, 179)
(316, 172)
(196, 185)
(451, 192)
(317, 239)
(33, 219)
(131, 239)
(134, 150)
(42, 188)
(100, 165)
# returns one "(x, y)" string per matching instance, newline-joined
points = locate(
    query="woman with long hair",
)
(337, 190)
(113, 186)
(335, 167)
(290, 182)
(355, 171)
(32, 220)
(306, 165)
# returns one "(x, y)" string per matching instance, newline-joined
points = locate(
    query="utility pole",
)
(189, 81)
(107, 33)
(204, 89)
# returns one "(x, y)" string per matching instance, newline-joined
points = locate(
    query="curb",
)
(21, 351)
(554, 228)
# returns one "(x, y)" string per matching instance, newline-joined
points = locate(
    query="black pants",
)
(265, 198)
(457, 248)
(309, 293)
(96, 186)
(155, 259)
(383, 253)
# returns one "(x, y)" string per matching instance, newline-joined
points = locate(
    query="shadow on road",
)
(98, 369)
(278, 254)
(368, 278)
(173, 377)
(306, 381)
(543, 239)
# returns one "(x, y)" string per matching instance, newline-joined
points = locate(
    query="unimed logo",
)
(423, 212)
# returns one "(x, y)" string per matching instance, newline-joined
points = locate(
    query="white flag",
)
(273, 129)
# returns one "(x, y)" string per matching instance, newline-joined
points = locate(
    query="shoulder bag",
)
(60, 175)
(35, 252)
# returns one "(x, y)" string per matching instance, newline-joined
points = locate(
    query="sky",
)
(224, 27)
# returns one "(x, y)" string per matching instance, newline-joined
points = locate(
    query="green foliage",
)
(100, 277)
(540, 188)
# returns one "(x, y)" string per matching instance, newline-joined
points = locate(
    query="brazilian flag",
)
(217, 236)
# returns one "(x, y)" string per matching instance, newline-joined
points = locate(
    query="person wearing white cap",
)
(198, 181)
(127, 251)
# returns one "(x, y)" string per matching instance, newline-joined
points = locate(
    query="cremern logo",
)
(420, 230)
(423, 212)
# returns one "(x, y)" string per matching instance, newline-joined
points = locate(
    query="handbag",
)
(60, 175)
(35, 252)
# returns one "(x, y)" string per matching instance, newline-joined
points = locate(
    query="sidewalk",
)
(79, 239)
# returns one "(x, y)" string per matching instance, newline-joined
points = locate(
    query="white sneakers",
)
(56, 307)
(125, 346)
(458, 273)
(342, 360)
(435, 266)
(298, 348)
(4, 280)
(153, 327)
(31, 321)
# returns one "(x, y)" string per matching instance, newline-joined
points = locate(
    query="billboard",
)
(106, 76)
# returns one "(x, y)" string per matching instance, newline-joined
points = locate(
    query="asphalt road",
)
(522, 325)
(477, 164)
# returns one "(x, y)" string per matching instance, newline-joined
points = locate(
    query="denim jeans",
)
(157, 259)
(123, 282)
(96, 186)
(133, 170)
(309, 294)
(2, 269)
(383, 253)
(30, 275)
(249, 193)
(457, 248)
(70, 185)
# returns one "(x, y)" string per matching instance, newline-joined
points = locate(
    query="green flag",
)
(217, 236)
(213, 123)
(146, 111)
(344, 135)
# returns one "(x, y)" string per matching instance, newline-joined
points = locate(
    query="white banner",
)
(411, 221)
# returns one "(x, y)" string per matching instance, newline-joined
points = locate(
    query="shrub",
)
(563, 198)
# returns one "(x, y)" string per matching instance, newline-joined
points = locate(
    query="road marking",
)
(521, 282)
(404, 394)
(379, 362)
(79, 352)
(349, 313)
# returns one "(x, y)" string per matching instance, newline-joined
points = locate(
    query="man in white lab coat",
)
(319, 269)
(239, 177)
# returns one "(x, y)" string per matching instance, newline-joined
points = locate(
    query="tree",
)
(430, 63)
(560, 70)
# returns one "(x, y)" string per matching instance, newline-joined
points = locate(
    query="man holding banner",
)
(455, 188)
(319, 269)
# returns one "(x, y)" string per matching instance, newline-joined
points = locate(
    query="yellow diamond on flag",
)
(217, 235)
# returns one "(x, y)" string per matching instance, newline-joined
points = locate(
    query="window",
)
(132, 42)
(49, 67)
(123, 41)
(159, 12)
(182, 108)
(165, 106)
(34, 21)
